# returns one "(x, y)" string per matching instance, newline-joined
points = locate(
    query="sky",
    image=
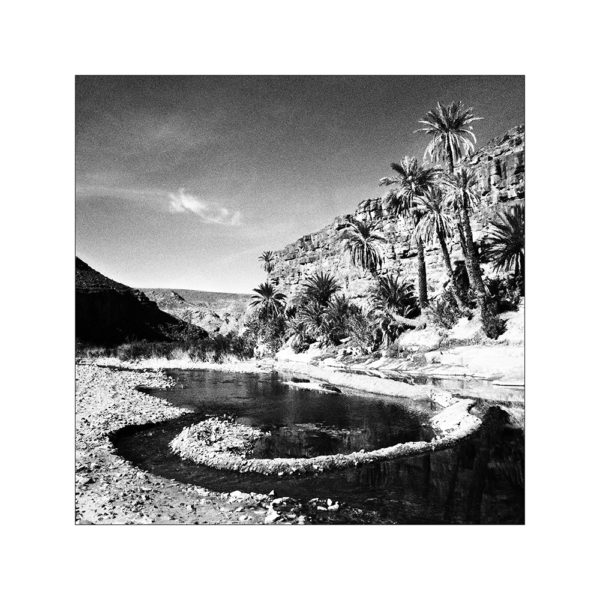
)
(182, 182)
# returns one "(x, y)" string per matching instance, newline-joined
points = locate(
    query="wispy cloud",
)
(209, 212)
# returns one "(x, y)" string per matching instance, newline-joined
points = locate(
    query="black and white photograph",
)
(300, 300)
(265, 269)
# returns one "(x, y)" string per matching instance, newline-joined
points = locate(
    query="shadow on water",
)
(481, 480)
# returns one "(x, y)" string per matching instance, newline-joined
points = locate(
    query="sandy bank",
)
(494, 373)
(232, 366)
(111, 490)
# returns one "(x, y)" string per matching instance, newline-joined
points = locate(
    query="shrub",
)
(445, 311)
(505, 292)
(361, 332)
(493, 326)
(269, 332)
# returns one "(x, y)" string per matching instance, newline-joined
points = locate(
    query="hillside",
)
(109, 312)
(216, 312)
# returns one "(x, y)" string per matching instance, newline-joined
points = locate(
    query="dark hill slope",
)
(108, 312)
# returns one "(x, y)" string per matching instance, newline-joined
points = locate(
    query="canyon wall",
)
(500, 166)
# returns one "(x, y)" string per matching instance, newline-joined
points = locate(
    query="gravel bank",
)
(109, 490)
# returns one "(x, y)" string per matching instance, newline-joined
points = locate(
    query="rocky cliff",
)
(500, 166)
(108, 312)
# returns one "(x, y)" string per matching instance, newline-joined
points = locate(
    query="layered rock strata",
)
(500, 167)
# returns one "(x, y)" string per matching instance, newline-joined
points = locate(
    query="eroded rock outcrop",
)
(500, 166)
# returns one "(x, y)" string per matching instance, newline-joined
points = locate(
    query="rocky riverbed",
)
(109, 490)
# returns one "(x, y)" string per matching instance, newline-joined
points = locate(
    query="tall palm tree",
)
(319, 288)
(269, 301)
(267, 258)
(362, 240)
(436, 223)
(452, 140)
(411, 181)
(451, 131)
(462, 185)
(506, 241)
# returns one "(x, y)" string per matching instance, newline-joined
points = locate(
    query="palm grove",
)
(437, 200)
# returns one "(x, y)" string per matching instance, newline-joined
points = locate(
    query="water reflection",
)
(479, 481)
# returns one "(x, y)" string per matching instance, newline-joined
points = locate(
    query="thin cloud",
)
(209, 212)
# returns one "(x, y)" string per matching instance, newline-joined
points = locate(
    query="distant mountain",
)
(108, 312)
(216, 312)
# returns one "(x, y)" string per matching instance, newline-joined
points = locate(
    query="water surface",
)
(478, 481)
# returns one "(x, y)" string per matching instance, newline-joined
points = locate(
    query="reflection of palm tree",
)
(411, 181)
(363, 241)
(449, 503)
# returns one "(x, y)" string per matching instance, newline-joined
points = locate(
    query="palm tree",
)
(363, 241)
(269, 301)
(506, 241)
(394, 306)
(452, 140)
(451, 131)
(462, 185)
(319, 288)
(337, 315)
(411, 181)
(436, 223)
(267, 258)
(395, 295)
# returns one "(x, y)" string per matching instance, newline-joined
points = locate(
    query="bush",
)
(259, 330)
(445, 311)
(505, 292)
(212, 349)
(361, 332)
(492, 325)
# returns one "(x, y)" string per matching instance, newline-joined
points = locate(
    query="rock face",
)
(500, 166)
(108, 312)
(215, 312)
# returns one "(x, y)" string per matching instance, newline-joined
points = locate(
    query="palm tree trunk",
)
(461, 237)
(449, 156)
(461, 233)
(422, 275)
(471, 257)
(448, 263)
(491, 324)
